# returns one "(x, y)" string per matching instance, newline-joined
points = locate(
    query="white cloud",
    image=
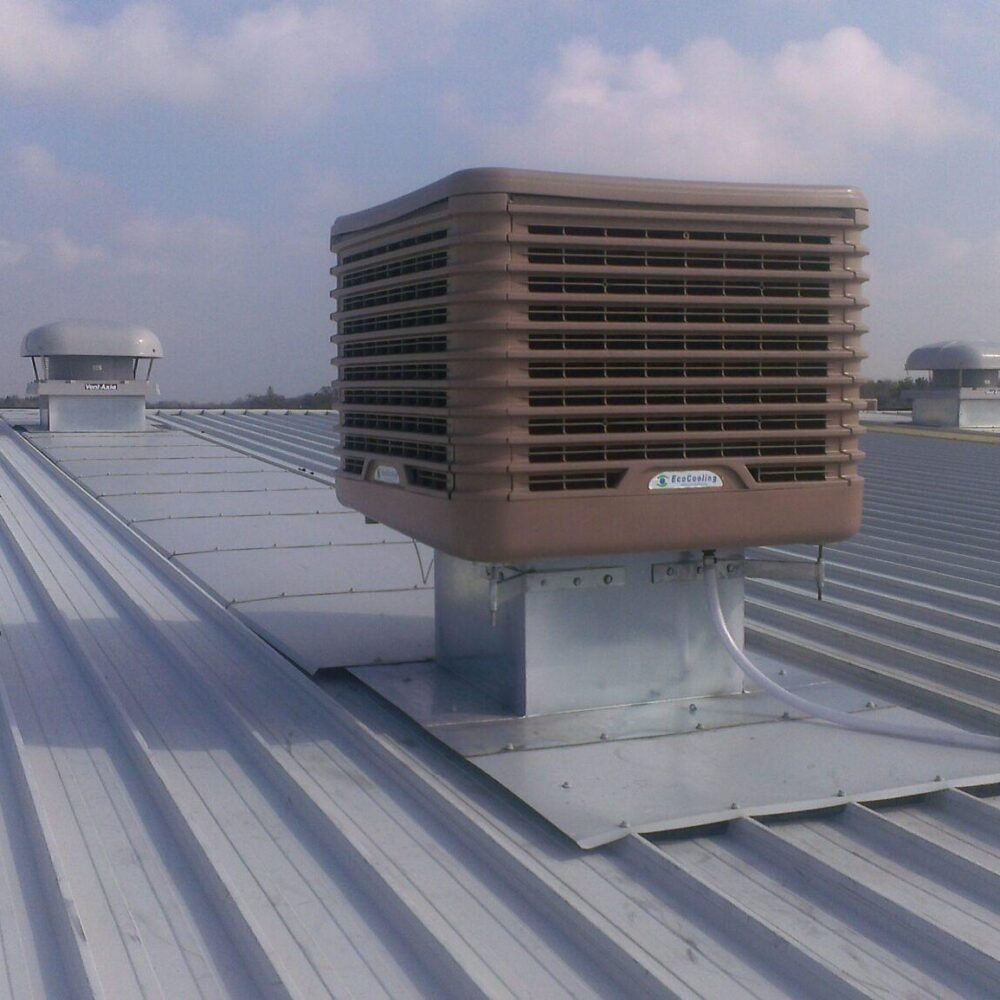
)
(857, 89)
(38, 171)
(122, 239)
(68, 254)
(146, 244)
(936, 283)
(271, 61)
(152, 244)
(711, 111)
(323, 191)
(35, 163)
(12, 252)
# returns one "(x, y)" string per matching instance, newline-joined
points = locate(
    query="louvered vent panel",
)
(540, 347)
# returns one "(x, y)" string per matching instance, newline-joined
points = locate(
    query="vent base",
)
(537, 641)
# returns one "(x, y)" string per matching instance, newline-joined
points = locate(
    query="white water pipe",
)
(926, 734)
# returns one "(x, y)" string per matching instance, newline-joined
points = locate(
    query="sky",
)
(179, 165)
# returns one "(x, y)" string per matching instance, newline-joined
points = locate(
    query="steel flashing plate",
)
(182, 535)
(158, 506)
(343, 630)
(313, 578)
(270, 573)
(600, 774)
(466, 719)
(256, 481)
(88, 468)
(598, 792)
(64, 453)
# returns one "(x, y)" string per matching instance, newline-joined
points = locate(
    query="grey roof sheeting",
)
(278, 549)
(911, 602)
(300, 440)
(331, 590)
(183, 816)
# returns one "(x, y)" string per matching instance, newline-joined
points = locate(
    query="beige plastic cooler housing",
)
(535, 365)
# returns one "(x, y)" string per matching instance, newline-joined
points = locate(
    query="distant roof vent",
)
(87, 374)
(964, 389)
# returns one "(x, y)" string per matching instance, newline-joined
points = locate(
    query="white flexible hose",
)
(926, 734)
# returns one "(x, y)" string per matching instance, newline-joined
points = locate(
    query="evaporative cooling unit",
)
(570, 385)
(535, 364)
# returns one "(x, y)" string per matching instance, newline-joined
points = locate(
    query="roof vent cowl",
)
(89, 374)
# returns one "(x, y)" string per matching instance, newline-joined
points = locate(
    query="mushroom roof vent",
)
(954, 354)
(89, 337)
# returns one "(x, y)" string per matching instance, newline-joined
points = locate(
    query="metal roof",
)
(300, 440)
(184, 813)
(91, 337)
(953, 354)
(274, 547)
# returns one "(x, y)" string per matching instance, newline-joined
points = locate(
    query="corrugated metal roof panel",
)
(302, 440)
(182, 815)
(275, 546)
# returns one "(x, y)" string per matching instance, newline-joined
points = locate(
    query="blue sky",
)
(179, 165)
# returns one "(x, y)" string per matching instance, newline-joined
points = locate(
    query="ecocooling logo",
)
(688, 479)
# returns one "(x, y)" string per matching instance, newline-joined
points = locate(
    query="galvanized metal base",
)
(77, 406)
(600, 695)
(600, 774)
(569, 634)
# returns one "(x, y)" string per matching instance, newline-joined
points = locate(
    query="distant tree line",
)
(322, 399)
(893, 394)
(14, 402)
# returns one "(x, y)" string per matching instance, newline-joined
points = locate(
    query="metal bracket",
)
(680, 572)
(789, 569)
(507, 582)
(760, 569)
